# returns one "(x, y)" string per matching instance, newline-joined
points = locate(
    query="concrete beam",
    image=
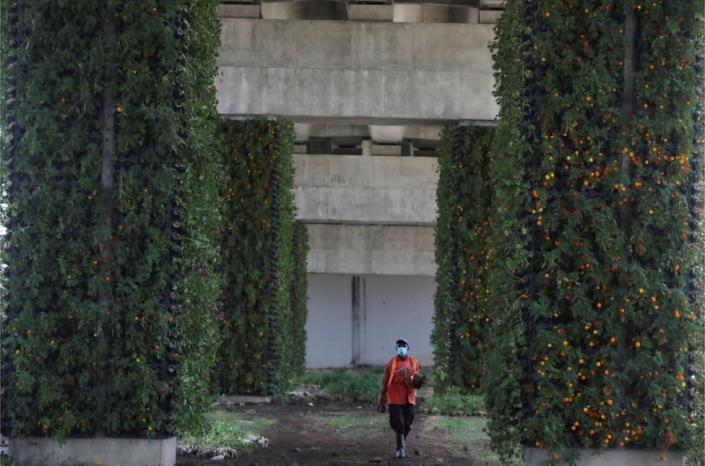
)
(365, 190)
(490, 16)
(362, 12)
(238, 11)
(371, 250)
(358, 70)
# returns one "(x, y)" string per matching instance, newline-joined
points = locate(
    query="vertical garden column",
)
(605, 117)
(462, 314)
(98, 164)
(299, 297)
(256, 355)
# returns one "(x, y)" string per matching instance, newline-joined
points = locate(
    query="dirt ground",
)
(349, 433)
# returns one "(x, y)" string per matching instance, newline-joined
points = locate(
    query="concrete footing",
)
(93, 451)
(621, 457)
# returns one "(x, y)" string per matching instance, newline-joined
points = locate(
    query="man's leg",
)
(409, 411)
(397, 421)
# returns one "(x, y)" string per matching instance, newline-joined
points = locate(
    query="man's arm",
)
(383, 385)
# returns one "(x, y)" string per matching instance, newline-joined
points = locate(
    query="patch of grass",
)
(464, 428)
(354, 384)
(225, 429)
(454, 403)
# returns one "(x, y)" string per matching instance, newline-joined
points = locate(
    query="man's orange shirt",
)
(398, 392)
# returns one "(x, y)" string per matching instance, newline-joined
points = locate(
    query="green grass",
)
(453, 404)
(464, 429)
(347, 384)
(226, 429)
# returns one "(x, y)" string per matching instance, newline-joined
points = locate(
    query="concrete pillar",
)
(621, 457)
(102, 450)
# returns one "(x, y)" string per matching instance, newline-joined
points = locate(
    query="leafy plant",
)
(107, 113)
(606, 289)
(453, 403)
(299, 297)
(257, 354)
(462, 319)
(362, 385)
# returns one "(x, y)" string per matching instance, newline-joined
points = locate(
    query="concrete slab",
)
(354, 189)
(621, 457)
(371, 249)
(106, 451)
(238, 11)
(489, 16)
(362, 12)
(356, 69)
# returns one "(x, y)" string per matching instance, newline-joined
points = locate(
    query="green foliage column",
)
(299, 297)
(256, 353)
(196, 304)
(607, 114)
(509, 278)
(103, 112)
(464, 197)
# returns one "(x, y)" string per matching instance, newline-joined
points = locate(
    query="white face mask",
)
(401, 351)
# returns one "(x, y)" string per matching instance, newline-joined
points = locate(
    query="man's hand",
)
(382, 402)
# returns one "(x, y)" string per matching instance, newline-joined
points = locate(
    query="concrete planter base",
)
(620, 457)
(105, 451)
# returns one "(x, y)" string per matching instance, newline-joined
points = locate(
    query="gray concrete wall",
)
(398, 306)
(107, 451)
(348, 69)
(366, 189)
(389, 307)
(371, 249)
(329, 323)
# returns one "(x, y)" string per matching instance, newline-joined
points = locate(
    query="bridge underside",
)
(369, 87)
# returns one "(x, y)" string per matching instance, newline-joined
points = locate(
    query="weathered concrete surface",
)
(371, 249)
(338, 69)
(329, 322)
(397, 306)
(360, 189)
(621, 457)
(106, 451)
(389, 307)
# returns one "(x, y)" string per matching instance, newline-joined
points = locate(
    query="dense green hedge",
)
(604, 116)
(299, 297)
(97, 155)
(462, 313)
(256, 354)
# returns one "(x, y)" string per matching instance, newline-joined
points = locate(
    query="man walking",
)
(401, 376)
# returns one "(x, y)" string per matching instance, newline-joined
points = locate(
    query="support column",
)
(358, 318)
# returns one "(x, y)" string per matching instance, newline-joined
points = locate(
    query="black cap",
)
(402, 342)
